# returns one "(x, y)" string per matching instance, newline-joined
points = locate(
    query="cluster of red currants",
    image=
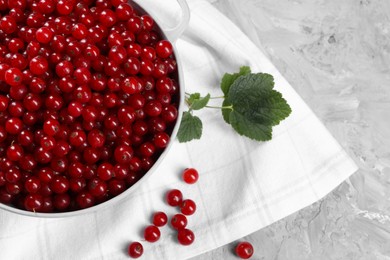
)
(178, 222)
(88, 100)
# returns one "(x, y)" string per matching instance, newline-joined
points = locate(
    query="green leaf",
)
(190, 128)
(256, 106)
(253, 97)
(248, 128)
(193, 97)
(228, 79)
(200, 103)
(226, 112)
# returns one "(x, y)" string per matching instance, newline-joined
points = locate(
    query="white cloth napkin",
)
(243, 186)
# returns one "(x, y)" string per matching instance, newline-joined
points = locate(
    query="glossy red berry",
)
(38, 65)
(190, 175)
(188, 207)
(179, 221)
(174, 197)
(51, 127)
(13, 125)
(85, 200)
(160, 219)
(44, 35)
(185, 237)
(135, 250)
(244, 250)
(161, 140)
(164, 49)
(152, 233)
(13, 77)
(33, 202)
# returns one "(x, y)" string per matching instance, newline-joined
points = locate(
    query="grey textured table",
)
(336, 54)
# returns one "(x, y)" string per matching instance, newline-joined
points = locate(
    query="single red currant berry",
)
(105, 171)
(124, 12)
(13, 77)
(96, 138)
(185, 237)
(13, 125)
(190, 175)
(60, 184)
(152, 233)
(135, 250)
(82, 76)
(13, 175)
(179, 221)
(44, 35)
(123, 154)
(160, 219)
(77, 138)
(116, 187)
(161, 140)
(188, 207)
(64, 68)
(164, 49)
(33, 202)
(39, 65)
(15, 152)
(97, 187)
(107, 18)
(77, 185)
(51, 127)
(169, 113)
(61, 201)
(32, 184)
(91, 155)
(153, 108)
(85, 200)
(79, 31)
(244, 250)
(4, 101)
(174, 197)
(8, 24)
(147, 22)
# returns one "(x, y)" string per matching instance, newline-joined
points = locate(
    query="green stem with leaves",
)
(250, 105)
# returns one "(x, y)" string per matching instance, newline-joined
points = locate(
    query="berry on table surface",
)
(152, 233)
(174, 197)
(185, 237)
(160, 219)
(179, 221)
(190, 175)
(244, 250)
(188, 207)
(135, 250)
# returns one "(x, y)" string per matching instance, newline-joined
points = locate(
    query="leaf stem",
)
(228, 107)
(217, 97)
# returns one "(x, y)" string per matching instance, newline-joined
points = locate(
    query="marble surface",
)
(336, 54)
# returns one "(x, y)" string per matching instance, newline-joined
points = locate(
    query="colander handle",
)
(174, 33)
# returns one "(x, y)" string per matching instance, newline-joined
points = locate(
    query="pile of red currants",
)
(88, 100)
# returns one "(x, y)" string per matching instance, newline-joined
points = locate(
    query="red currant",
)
(179, 221)
(38, 65)
(190, 175)
(160, 219)
(13, 77)
(185, 237)
(135, 250)
(164, 49)
(152, 233)
(244, 250)
(174, 197)
(188, 207)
